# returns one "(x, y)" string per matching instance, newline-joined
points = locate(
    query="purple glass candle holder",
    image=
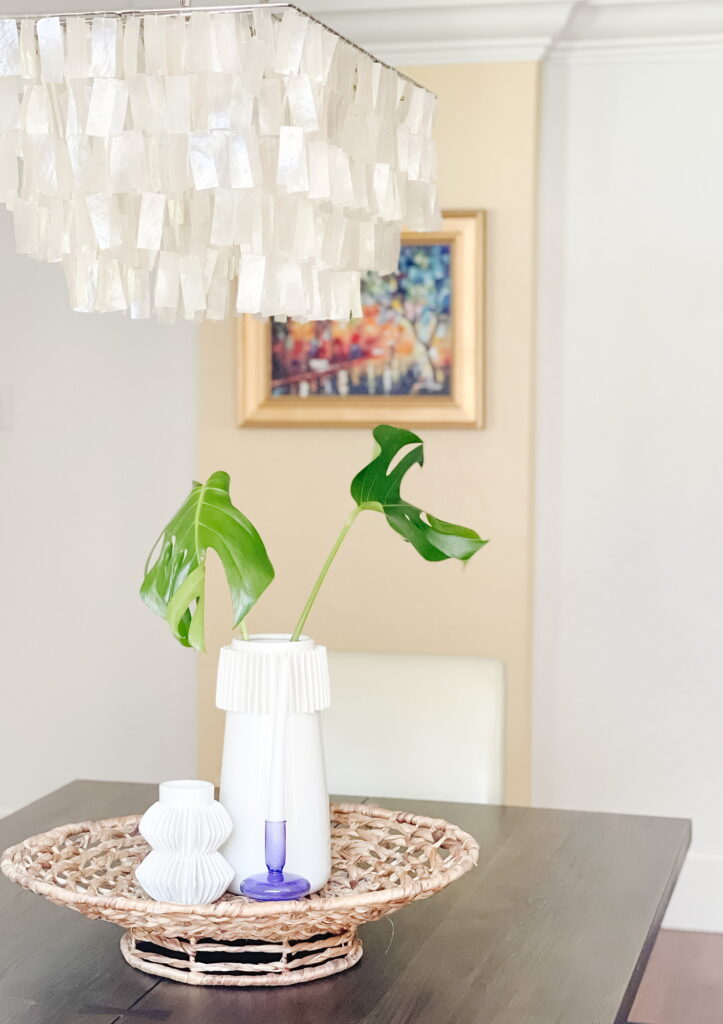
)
(275, 885)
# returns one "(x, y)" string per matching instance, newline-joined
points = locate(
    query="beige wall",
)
(294, 484)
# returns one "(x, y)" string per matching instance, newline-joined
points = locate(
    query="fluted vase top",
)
(249, 674)
(186, 819)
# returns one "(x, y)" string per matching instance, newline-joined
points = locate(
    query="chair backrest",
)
(423, 726)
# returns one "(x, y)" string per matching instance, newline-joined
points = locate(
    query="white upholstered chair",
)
(423, 726)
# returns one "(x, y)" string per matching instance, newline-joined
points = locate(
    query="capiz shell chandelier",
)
(206, 162)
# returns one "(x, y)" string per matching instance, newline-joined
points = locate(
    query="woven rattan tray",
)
(381, 860)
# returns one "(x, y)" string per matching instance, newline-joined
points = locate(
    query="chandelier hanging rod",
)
(187, 9)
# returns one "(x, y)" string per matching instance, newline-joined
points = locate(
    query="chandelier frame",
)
(187, 9)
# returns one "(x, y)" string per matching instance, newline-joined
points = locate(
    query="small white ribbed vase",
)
(185, 829)
(251, 674)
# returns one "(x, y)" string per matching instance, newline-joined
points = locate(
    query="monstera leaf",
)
(378, 485)
(175, 583)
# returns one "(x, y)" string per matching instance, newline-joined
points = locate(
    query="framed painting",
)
(415, 357)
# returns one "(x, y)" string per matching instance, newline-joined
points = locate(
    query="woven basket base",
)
(244, 962)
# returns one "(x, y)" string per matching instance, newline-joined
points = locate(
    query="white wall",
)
(100, 450)
(629, 586)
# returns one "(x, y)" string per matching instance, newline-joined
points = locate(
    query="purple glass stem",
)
(275, 847)
(273, 884)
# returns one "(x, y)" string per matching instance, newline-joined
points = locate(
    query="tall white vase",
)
(250, 678)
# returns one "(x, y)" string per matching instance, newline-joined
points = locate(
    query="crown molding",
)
(627, 30)
(412, 32)
(442, 32)
(637, 50)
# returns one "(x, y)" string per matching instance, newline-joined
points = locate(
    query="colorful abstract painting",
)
(402, 346)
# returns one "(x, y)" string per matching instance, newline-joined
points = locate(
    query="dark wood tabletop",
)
(554, 927)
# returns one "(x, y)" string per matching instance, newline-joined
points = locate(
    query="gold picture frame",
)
(463, 405)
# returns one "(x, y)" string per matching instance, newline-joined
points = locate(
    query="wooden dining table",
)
(554, 926)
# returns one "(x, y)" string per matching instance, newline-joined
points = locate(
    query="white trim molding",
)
(409, 32)
(614, 30)
(443, 32)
